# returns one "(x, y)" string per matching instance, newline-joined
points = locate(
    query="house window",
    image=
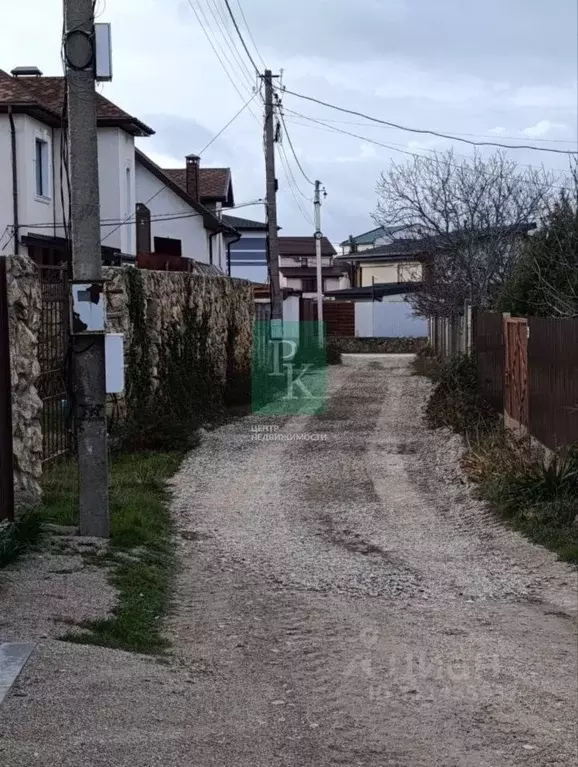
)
(309, 284)
(167, 246)
(41, 163)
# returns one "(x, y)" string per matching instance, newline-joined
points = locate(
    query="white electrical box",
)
(114, 361)
(88, 308)
(103, 53)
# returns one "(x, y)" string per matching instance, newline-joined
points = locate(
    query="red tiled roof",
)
(299, 247)
(214, 182)
(47, 94)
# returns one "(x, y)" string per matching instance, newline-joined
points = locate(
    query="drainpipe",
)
(232, 242)
(14, 181)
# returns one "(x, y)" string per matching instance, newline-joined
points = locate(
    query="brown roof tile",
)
(47, 93)
(214, 182)
(304, 246)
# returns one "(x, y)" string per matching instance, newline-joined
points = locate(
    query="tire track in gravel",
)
(321, 618)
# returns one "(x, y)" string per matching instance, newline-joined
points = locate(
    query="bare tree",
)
(469, 216)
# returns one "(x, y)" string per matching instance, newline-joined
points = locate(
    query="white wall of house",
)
(393, 272)
(33, 208)
(190, 230)
(42, 214)
(390, 318)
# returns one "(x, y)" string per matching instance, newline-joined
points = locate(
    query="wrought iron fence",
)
(54, 357)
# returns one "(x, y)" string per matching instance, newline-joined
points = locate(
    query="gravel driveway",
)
(343, 599)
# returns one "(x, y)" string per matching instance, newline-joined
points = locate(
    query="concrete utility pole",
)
(272, 239)
(89, 360)
(318, 236)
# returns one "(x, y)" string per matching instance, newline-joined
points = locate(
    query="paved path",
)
(342, 601)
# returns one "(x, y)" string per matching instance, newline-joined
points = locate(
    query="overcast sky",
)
(497, 67)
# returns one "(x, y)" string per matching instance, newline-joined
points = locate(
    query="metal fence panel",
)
(488, 332)
(53, 356)
(553, 380)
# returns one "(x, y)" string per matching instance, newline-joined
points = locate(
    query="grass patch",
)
(19, 536)
(536, 496)
(139, 519)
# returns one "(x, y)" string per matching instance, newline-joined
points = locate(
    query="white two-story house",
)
(142, 209)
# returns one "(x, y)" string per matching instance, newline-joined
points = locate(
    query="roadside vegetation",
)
(141, 557)
(536, 495)
(19, 536)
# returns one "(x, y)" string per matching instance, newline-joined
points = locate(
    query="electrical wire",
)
(282, 117)
(241, 38)
(391, 147)
(204, 28)
(250, 34)
(456, 133)
(224, 27)
(231, 121)
(290, 184)
(423, 131)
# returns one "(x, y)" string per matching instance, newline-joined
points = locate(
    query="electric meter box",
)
(88, 308)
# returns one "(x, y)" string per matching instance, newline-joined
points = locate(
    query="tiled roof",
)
(427, 246)
(244, 223)
(46, 94)
(368, 238)
(304, 246)
(214, 182)
(209, 218)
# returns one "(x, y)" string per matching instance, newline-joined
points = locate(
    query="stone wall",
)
(187, 341)
(24, 310)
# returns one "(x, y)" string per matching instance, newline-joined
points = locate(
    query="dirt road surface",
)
(343, 599)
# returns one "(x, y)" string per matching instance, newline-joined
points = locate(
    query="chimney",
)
(192, 176)
(26, 72)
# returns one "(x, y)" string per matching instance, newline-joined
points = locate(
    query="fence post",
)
(6, 447)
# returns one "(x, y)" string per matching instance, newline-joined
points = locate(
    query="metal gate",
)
(516, 399)
(54, 357)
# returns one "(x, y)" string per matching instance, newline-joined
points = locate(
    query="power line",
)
(168, 216)
(210, 41)
(284, 153)
(426, 131)
(391, 147)
(232, 120)
(287, 172)
(305, 176)
(229, 40)
(241, 38)
(456, 133)
(250, 35)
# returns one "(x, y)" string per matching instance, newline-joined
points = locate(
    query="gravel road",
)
(343, 599)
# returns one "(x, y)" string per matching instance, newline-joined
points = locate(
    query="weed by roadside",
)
(16, 537)
(536, 496)
(140, 529)
(427, 364)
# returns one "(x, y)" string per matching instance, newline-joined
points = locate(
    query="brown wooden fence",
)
(516, 399)
(553, 380)
(528, 370)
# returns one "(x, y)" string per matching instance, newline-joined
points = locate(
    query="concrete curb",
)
(13, 658)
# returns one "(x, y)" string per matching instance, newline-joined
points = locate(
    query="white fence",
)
(451, 335)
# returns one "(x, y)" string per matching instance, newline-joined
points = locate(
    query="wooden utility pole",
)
(272, 238)
(6, 449)
(89, 359)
